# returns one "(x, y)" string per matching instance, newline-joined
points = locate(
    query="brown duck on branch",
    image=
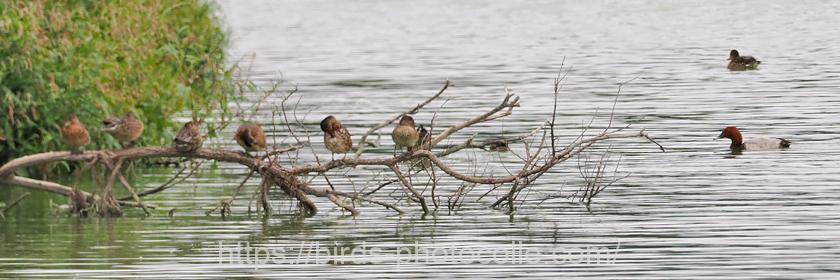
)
(336, 137)
(423, 138)
(250, 137)
(424, 141)
(737, 62)
(126, 129)
(188, 138)
(74, 134)
(405, 135)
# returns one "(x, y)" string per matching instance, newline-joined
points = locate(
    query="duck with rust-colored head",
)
(405, 135)
(737, 62)
(755, 144)
(250, 136)
(127, 129)
(336, 137)
(74, 134)
(188, 138)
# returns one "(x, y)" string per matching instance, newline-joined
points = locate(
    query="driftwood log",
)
(290, 179)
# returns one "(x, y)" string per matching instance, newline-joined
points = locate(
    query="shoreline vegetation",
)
(157, 59)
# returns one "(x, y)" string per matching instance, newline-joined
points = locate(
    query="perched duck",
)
(126, 129)
(756, 144)
(423, 137)
(74, 134)
(405, 134)
(188, 138)
(336, 137)
(251, 137)
(740, 63)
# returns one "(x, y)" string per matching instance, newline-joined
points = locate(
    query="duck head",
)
(71, 120)
(191, 124)
(110, 124)
(330, 125)
(733, 54)
(732, 133)
(407, 121)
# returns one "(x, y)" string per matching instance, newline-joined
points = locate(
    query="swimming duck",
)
(250, 137)
(126, 129)
(405, 134)
(188, 138)
(756, 144)
(741, 63)
(74, 134)
(336, 137)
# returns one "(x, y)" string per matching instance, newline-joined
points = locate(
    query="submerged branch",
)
(540, 156)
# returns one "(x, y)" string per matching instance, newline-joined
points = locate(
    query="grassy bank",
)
(101, 58)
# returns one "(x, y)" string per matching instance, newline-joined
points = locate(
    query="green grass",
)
(100, 58)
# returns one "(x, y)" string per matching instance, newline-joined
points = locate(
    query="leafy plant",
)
(103, 58)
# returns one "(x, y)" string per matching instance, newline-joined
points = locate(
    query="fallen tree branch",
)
(295, 179)
(52, 188)
(562, 155)
(287, 178)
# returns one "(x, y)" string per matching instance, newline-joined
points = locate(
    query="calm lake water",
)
(695, 211)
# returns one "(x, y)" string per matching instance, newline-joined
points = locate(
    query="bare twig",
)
(557, 86)
(228, 202)
(509, 102)
(171, 182)
(341, 204)
(133, 194)
(12, 204)
(408, 186)
(361, 145)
